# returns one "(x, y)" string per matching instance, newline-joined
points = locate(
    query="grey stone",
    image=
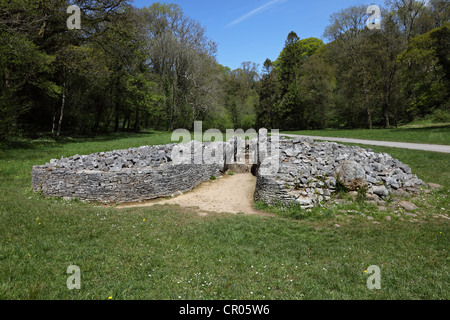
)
(371, 179)
(392, 183)
(434, 186)
(292, 152)
(350, 171)
(409, 206)
(381, 191)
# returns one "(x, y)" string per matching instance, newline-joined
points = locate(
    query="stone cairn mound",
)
(309, 173)
(132, 175)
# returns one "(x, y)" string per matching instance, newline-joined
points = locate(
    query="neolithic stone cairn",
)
(306, 172)
(132, 175)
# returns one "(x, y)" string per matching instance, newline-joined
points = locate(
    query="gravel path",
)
(229, 194)
(402, 145)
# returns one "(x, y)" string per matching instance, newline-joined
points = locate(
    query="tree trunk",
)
(54, 124)
(386, 118)
(369, 120)
(172, 109)
(116, 120)
(367, 101)
(63, 103)
(136, 121)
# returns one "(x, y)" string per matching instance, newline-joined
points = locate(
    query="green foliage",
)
(317, 84)
(441, 116)
(427, 72)
(341, 188)
(240, 96)
(362, 193)
(132, 69)
(289, 106)
(362, 78)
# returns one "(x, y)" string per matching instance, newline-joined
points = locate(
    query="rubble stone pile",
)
(310, 172)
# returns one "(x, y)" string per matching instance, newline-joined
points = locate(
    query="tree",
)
(317, 84)
(407, 13)
(268, 91)
(426, 75)
(287, 68)
(178, 46)
(240, 95)
(366, 61)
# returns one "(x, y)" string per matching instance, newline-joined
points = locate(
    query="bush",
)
(440, 116)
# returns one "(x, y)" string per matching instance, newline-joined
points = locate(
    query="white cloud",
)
(255, 12)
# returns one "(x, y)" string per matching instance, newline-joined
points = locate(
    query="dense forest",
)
(129, 69)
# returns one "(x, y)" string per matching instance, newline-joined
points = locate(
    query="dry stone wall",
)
(131, 175)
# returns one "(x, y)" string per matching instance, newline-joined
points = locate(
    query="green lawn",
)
(420, 134)
(172, 253)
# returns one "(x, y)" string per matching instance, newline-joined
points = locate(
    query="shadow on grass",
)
(47, 141)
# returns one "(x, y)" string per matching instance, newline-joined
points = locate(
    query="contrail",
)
(254, 12)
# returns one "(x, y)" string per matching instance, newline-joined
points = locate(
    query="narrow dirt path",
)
(402, 145)
(229, 194)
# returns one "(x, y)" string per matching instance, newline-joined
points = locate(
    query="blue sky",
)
(253, 30)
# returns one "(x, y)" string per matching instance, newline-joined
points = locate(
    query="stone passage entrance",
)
(230, 194)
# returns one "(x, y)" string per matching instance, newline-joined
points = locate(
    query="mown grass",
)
(172, 253)
(413, 134)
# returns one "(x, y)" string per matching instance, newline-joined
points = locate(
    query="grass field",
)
(172, 253)
(437, 134)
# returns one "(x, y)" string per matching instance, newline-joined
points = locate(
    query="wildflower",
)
(110, 298)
